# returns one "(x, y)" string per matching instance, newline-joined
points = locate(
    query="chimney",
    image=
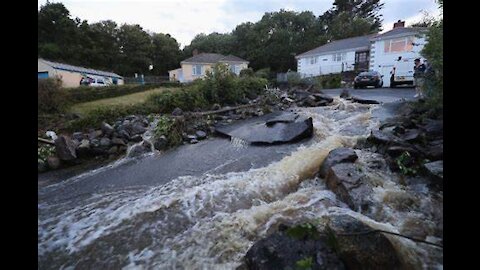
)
(195, 52)
(400, 23)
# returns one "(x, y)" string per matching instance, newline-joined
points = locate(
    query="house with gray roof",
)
(71, 76)
(197, 66)
(376, 52)
(392, 53)
(335, 57)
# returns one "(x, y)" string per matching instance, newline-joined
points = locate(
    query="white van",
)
(98, 82)
(402, 72)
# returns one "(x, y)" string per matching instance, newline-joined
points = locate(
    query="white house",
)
(397, 47)
(335, 57)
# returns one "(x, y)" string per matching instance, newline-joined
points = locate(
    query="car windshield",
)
(367, 74)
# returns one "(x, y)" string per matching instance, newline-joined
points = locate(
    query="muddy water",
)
(209, 220)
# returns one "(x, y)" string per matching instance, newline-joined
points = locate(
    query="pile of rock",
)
(416, 140)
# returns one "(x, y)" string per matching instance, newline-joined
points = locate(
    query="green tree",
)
(135, 49)
(211, 43)
(57, 32)
(165, 54)
(433, 52)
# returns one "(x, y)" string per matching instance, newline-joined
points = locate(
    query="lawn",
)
(83, 108)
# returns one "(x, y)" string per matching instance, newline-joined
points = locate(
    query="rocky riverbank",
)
(408, 149)
(135, 135)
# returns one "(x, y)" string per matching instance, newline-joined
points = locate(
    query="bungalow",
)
(196, 66)
(394, 52)
(335, 57)
(71, 76)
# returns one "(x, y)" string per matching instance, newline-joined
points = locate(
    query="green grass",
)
(132, 99)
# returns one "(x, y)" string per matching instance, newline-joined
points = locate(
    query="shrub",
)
(52, 98)
(220, 86)
(247, 72)
(171, 128)
(251, 87)
(87, 93)
(186, 98)
(264, 73)
(433, 52)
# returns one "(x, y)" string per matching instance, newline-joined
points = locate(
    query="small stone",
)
(177, 112)
(191, 137)
(193, 141)
(42, 166)
(136, 138)
(78, 136)
(113, 150)
(160, 143)
(105, 142)
(53, 162)
(118, 141)
(65, 148)
(107, 129)
(201, 134)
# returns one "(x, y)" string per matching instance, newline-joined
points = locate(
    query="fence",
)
(146, 79)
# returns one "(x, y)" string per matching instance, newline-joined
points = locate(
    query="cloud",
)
(183, 19)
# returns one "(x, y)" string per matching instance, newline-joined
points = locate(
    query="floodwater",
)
(202, 206)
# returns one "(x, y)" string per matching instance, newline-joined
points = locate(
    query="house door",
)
(361, 60)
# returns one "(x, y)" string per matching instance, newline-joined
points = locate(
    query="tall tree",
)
(165, 54)
(135, 50)
(57, 32)
(211, 43)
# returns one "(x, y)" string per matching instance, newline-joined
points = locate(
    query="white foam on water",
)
(210, 221)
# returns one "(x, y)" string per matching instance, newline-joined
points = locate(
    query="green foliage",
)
(171, 128)
(304, 264)
(433, 52)
(332, 241)
(251, 86)
(186, 98)
(265, 73)
(247, 72)
(52, 98)
(303, 231)
(294, 78)
(44, 151)
(220, 86)
(404, 163)
(329, 81)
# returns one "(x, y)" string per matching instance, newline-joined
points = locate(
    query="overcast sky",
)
(183, 19)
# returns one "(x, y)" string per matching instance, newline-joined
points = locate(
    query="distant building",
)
(335, 57)
(393, 52)
(72, 76)
(197, 66)
(390, 53)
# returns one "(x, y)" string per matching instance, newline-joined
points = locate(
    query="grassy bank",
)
(126, 100)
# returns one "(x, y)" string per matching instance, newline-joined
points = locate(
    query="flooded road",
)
(202, 206)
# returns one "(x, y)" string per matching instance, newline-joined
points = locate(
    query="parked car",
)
(370, 78)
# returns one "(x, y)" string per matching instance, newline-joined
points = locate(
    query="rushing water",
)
(210, 221)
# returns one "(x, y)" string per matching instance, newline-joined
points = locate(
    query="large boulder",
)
(348, 182)
(336, 156)
(160, 143)
(177, 112)
(284, 250)
(65, 148)
(383, 138)
(434, 169)
(360, 250)
(279, 130)
(433, 128)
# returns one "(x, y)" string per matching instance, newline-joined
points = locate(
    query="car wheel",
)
(392, 82)
(355, 86)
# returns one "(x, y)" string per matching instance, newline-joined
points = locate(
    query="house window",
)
(337, 57)
(313, 60)
(233, 68)
(398, 45)
(197, 70)
(361, 57)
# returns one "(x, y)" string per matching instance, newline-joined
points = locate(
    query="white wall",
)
(325, 64)
(383, 62)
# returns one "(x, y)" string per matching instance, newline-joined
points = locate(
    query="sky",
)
(183, 19)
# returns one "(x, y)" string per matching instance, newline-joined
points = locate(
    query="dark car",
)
(370, 78)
